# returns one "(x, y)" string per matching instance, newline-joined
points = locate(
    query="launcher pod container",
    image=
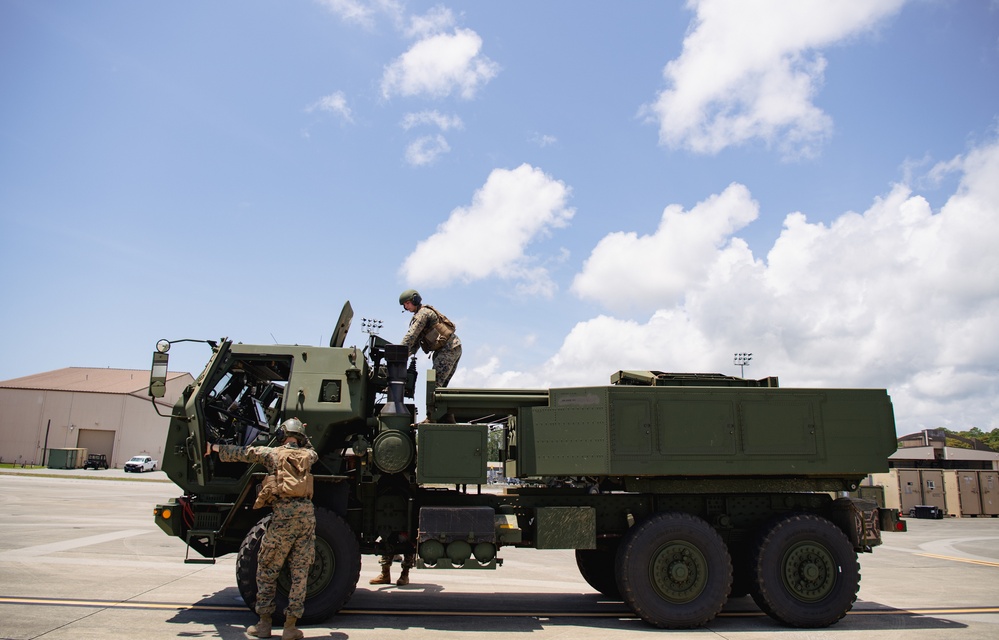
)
(674, 491)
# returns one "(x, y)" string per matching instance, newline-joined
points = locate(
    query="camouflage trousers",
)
(446, 361)
(408, 560)
(292, 539)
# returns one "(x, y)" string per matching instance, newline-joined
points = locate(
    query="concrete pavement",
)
(81, 558)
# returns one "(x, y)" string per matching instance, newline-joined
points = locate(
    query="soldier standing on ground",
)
(291, 535)
(430, 330)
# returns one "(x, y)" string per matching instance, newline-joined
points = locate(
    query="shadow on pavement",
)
(430, 607)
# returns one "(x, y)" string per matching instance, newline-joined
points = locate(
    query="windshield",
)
(244, 400)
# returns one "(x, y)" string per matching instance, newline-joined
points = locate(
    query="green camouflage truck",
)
(675, 491)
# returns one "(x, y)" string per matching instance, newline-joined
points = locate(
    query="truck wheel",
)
(674, 571)
(597, 568)
(806, 572)
(333, 576)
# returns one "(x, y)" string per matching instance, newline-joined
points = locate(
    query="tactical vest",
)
(436, 336)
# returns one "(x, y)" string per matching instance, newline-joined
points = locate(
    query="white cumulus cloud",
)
(335, 103)
(426, 149)
(750, 69)
(364, 12)
(439, 65)
(432, 118)
(899, 296)
(626, 271)
(437, 20)
(491, 236)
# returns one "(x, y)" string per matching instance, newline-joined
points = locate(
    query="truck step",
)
(200, 533)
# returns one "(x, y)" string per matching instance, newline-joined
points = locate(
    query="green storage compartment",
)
(452, 453)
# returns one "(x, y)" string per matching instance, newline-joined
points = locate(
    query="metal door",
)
(97, 441)
(933, 488)
(988, 485)
(910, 493)
(971, 503)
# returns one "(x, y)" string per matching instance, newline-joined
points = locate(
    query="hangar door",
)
(97, 441)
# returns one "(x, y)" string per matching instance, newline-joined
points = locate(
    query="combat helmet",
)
(411, 295)
(293, 427)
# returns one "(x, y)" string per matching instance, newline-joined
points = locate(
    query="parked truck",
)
(675, 491)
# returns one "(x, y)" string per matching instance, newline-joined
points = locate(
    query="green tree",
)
(495, 442)
(989, 439)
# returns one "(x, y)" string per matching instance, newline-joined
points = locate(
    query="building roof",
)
(913, 453)
(89, 380)
(949, 453)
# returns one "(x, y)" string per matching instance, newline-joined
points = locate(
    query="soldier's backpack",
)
(290, 479)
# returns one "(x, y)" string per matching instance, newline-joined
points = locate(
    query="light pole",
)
(742, 360)
(371, 327)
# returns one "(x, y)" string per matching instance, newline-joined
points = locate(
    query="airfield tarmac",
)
(80, 557)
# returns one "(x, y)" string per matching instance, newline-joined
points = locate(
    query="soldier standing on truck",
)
(291, 535)
(430, 330)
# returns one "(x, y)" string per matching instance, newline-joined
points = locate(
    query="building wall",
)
(952, 494)
(949, 499)
(21, 412)
(892, 490)
(148, 440)
(27, 414)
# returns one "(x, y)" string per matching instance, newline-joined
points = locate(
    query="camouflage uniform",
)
(291, 535)
(408, 561)
(446, 358)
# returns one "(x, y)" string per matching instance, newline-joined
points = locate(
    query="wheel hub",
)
(679, 572)
(809, 571)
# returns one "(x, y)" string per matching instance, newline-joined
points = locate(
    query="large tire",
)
(805, 572)
(333, 576)
(597, 566)
(674, 571)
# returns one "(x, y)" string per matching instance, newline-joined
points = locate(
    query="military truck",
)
(675, 491)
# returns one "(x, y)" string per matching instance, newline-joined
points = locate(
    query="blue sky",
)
(581, 186)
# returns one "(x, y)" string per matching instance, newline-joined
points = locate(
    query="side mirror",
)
(158, 372)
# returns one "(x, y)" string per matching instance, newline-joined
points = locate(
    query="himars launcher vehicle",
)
(676, 491)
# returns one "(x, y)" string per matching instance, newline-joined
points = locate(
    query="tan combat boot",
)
(383, 578)
(291, 632)
(263, 628)
(403, 577)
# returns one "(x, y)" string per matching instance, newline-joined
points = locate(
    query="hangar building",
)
(106, 411)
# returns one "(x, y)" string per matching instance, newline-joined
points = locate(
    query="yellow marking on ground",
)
(984, 563)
